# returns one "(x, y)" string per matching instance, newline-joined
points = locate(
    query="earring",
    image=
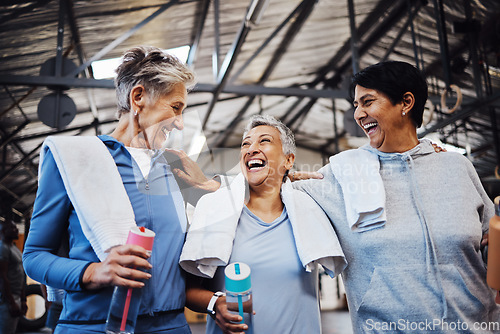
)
(135, 113)
(404, 113)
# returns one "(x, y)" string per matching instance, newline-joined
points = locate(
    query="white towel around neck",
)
(95, 188)
(209, 241)
(358, 173)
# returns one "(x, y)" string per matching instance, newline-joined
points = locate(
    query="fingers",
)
(124, 266)
(227, 321)
(316, 175)
(181, 174)
(230, 328)
(180, 153)
(438, 149)
(295, 176)
(484, 241)
(131, 250)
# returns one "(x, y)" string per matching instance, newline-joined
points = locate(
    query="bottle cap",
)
(141, 236)
(237, 277)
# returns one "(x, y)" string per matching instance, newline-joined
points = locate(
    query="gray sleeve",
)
(488, 209)
(314, 187)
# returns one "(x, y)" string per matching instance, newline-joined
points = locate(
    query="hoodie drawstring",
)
(431, 253)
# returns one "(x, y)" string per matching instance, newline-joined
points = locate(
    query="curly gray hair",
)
(152, 68)
(286, 135)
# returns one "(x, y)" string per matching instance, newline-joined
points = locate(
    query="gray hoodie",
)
(422, 271)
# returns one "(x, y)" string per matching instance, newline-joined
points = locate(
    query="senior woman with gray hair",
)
(260, 220)
(151, 88)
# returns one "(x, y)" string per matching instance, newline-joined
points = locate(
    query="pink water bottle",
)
(125, 303)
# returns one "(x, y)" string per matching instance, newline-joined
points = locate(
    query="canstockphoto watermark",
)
(438, 325)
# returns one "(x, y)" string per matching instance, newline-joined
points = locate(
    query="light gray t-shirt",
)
(285, 296)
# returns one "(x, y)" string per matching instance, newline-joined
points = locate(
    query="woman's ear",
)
(137, 98)
(408, 102)
(290, 159)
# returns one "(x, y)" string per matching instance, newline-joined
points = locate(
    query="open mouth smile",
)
(370, 127)
(255, 164)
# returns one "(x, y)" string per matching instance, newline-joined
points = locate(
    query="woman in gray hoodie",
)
(410, 221)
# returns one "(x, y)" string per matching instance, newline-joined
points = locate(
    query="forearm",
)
(49, 225)
(197, 296)
(50, 269)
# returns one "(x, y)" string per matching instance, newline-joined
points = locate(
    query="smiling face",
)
(383, 122)
(262, 160)
(158, 118)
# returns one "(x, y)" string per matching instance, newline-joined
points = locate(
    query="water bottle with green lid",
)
(239, 292)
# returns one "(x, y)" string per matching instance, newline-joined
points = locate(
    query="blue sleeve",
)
(49, 224)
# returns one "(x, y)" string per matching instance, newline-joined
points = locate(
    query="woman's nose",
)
(358, 113)
(179, 123)
(254, 147)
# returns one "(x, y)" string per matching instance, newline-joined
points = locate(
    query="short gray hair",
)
(286, 135)
(152, 68)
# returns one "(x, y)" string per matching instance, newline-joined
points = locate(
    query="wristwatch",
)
(211, 304)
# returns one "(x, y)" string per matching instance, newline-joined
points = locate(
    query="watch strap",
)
(211, 303)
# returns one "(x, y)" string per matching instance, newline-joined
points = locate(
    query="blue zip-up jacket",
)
(157, 204)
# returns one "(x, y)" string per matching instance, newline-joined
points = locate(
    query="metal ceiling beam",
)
(12, 135)
(75, 33)
(23, 10)
(371, 19)
(443, 41)
(57, 132)
(396, 40)
(229, 60)
(9, 136)
(46, 80)
(266, 42)
(25, 80)
(466, 111)
(302, 112)
(122, 38)
(60, 39)
(291, 33)
(354, 37)
(216, 50)
(287, 91)
(378, 32)
(20, 163)
(203, 6)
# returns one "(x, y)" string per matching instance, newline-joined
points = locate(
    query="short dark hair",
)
(394, 79)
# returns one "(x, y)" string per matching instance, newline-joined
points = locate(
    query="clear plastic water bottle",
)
(239, 292)
(125, 302)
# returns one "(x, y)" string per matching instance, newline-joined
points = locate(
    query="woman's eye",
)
(265, 140)
(245, 144)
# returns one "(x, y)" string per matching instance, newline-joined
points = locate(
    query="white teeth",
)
(255, 163)
(369, 125)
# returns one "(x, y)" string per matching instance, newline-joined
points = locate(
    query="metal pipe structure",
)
(204, 5)
(121, 38)
(278, 54)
